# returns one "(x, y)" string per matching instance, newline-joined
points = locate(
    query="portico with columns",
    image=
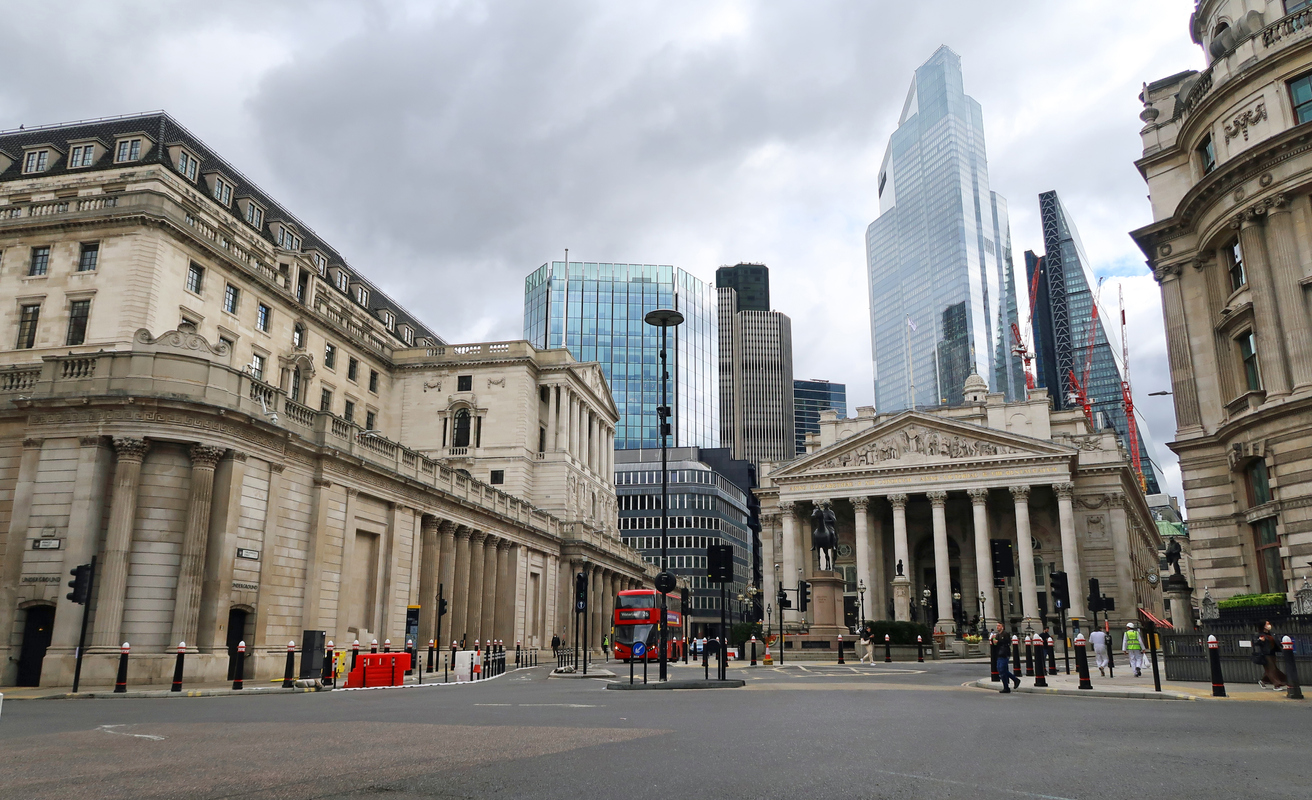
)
(918, 496)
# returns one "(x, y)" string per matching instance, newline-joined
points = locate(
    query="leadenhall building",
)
(252, 440)
(917, 497)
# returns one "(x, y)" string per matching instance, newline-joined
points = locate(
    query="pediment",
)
(914, 439)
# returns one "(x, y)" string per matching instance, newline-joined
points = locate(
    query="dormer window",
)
(254, 214)
(362, 295)
(222, 191)
(386, 317)
(83, 155)
(187, 165)
(128, 150)
(343, 280)
(408, 334)
(36, 161)
(287, 239)
(320, 263)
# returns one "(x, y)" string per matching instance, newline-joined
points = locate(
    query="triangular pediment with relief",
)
(913, 439)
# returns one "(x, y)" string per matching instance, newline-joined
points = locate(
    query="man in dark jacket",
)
(555, 644)
(1000, 652)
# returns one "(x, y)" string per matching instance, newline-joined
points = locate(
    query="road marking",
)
(981, 787)
(494, 704)
(152, 737)
(558, 705)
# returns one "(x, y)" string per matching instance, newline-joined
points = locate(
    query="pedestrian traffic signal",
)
(1095, 595)
(719, 563)
(581, 591)
(1004, 566)
(1061, 593)
(803, 594)
(441, 607)
(684, 601)
(81, 584)
(783, 599)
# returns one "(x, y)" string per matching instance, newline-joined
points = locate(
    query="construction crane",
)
(1080, 384)
(1127, 397)
(1020, 349)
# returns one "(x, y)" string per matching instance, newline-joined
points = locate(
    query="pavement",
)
(814, 730)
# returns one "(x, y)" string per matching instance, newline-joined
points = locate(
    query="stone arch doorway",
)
(36, 640)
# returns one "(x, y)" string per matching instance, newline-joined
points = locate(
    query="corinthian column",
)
(979, 499)
(1029, 591)
(942, 566)
(1286, 271)
(474, 617)
(901, 582)
(487, 620)
(190, 571)
(113, 578)
(428, 577)
(460, 586)
(861, 505)
(1070, 552)
(1266, 312)
(1179, 357)
(789, 577)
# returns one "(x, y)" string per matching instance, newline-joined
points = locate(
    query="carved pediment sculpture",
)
(915, 439)
(185, 339)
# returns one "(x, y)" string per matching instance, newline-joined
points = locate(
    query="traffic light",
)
(784, 600)
(684, 600)
(1061, 593)
(719, 563)
(441, 607)
(81, 584)
(1003, 564)
(804, 594)
(581, 591)
(1095, 595)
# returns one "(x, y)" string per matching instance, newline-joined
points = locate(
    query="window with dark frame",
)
(195, 278)
(294, 392)
(1238, 277)
(373, 381)
(1266, 540)
(370, 420)
(254, 215)
(330, 355)
(83, 155)
(36, 161)
(231, 299)
(187, 165)
(497, 477)
(88, 257)
(1248, 353)
(325, 400)
(1207, 154)
(28, 319)
(460, 435)
(352, 368)
(40, 261)
(298, 336)
(257, 366)
(128, 150)
(348, 413)
(1258, 481)
(222, 191)
(262, 317)
(78, 313)
(464, 383)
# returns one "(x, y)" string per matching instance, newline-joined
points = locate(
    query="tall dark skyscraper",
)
(750, 281)
(812, 397)
(942, 287)
(1068, 334)
(756, 367)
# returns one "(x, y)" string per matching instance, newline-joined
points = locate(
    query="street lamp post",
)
(924, 607)
(664, 318)
(861, 602)
(958, 613)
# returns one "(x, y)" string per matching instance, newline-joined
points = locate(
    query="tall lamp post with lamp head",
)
(664, 318)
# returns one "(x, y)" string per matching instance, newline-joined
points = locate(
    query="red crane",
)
(1080, 385)
(1020, 348)
(1127, 397)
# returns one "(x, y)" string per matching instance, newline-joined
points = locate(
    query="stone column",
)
(488, 617)
(983, 555)
(315, 553)
(1183, 386)
(595, 602)
(861, 509)
(429, 546)
(460, 586)
(901, 582)
(1124, 553)
(1266, 312)
(221, 554)
(788, 579)
(942, 565)
(113, 578)
(573, 413)
(11, 569)
(508, 593)
(564, 597)
(769, 586)
(1286, 270)
(446, 572)
(1029, 591)
(1070, 552)
(553, 408)
(474, 616)
(877, 596)
(94, 460)
(264, 597)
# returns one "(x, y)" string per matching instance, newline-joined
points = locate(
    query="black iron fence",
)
(1186, 652)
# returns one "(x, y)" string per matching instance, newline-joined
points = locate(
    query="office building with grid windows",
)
(809, 399)
(596, 310)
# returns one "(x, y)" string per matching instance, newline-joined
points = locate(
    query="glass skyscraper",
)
(596, 312)
(1068, 334)
(943, 293)
(809, 399)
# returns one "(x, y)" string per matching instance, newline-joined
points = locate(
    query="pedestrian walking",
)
(1132, 646)
(867, 647)
(1000, 652)
(605, 646)
(555, 645)
(1099, 641)
(1265, 651)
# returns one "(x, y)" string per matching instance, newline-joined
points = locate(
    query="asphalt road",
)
(800, 732)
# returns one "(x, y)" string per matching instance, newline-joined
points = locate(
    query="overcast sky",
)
(447, 149)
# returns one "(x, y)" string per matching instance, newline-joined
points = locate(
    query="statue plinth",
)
(827, 604)
(902, 598)
(1181, 595)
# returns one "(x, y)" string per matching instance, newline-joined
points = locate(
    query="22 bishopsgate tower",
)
(943, 293)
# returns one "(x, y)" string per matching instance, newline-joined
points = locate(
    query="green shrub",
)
(1251, 601)
(899, 632)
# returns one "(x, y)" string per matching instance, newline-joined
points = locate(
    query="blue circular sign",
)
(639, 648)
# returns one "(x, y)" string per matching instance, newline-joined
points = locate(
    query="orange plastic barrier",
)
(378, 669)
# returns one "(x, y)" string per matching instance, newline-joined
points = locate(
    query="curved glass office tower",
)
(943, 293)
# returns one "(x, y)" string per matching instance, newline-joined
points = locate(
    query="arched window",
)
(461, 437)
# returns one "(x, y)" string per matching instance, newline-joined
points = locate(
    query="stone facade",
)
(927, 490)
(225, 434)
(1228, 161)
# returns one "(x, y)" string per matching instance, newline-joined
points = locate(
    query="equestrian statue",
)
(823, 537)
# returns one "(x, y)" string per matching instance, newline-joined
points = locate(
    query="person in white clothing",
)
(1132, 644)
(1099, 641)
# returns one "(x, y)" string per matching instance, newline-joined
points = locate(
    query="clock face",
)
(1152, 577)
(844, 550)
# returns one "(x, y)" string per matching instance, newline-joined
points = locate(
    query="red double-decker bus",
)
(637, 616)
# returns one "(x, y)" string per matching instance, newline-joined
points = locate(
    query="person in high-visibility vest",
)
(1132, 646)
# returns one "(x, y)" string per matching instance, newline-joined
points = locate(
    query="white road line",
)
(976, 786)
(152, 737)
(557, 705)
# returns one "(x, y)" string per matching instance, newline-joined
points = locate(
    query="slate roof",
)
(167, 132)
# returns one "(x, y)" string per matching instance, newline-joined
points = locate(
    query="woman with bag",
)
(1265, 650)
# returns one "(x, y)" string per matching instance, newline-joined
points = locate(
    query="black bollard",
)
(177, 668)
(410, 651)
(329, 676)
(1051, 644)
(355, 653)
(706, 661)
(517, 655)
(1214, 657)
(288, 675)
(1040, 674)
(1082, 662)
(387, 645)
(1029, 655)
(840, 650)
(1015, 652)
(1295, 691)
(241, 666)
(888, 649)
(121, 682)
(920, 649)
(630, 669)
(373, 646)
(445, 674)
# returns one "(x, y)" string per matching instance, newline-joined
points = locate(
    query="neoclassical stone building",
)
(1228, 161)
(929, 489)
(253, 440)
